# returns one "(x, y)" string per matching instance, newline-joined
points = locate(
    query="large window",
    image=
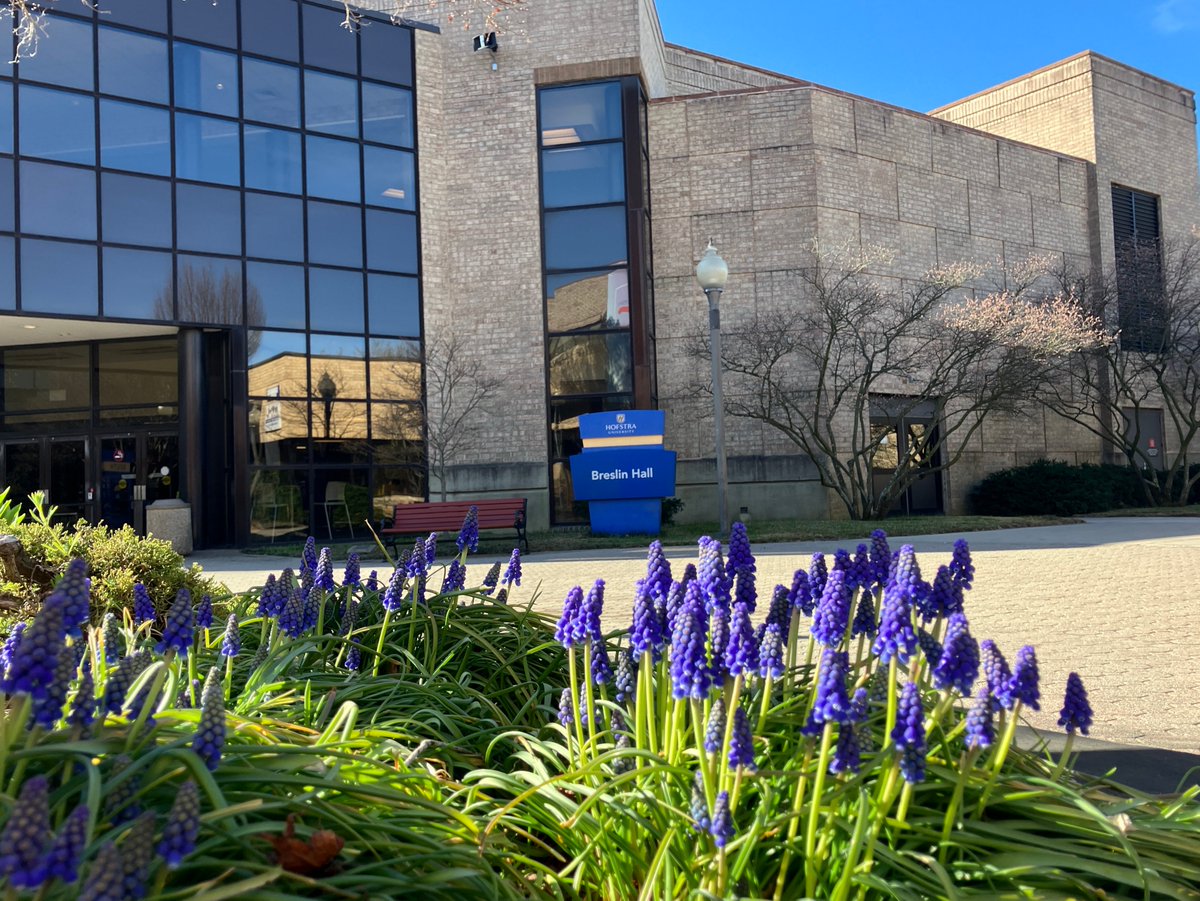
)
(1137, 242)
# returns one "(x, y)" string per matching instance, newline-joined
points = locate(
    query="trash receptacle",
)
(171, 520)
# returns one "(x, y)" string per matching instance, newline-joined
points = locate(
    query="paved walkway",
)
(1113, 599)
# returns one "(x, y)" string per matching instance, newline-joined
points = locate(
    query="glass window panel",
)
(578, 239)
(587, 300)
(138, 284)
(395, 379)
(64, 57)
(58, 277)
(274, 227)
(272, 28)
(340, 435)
(208, 219)
(206, 149)
(397, 437)
(6, 116)
(332, 168)
(8, 272)
(341, 501)
(586, 112)
(57, 126)
(590, 364)
(341, 358)
(335, 300)
(212, 23)
(393, 305)
(133, 65)
(278, 363)
(278, 497)
(331, 104)
(135, 210)
(564, 420)
(387, 115)
(209, 289)
(334, 234)
(391, 241)
(386, 52)
(393, 486)
(58, 200)
(135, 137)
(326, 43)
(7, 195)
(278, 291)
(388, 178)
(139, 372)
(580, 176)
(47, 378)
(271, 91)
(206, 80)
(273, 160)
(148, 14)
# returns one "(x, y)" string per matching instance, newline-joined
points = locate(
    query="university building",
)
(230, 233)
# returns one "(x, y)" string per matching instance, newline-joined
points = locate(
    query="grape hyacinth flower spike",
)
(961, 567)
(492, 577)
(741, 559)
(832, 704)
(183, 825)
(741, 741)
(980, 727)
(137, 853)
(645, 636)
(393, 596)
(231, 642)
(958, 667)
(323, 574)
(832, 617)
(1024, 683)
(566, 631)
(881, 558)
(468, 535)
(143, 607)
(701, 820)
(11, 643)
(308, 557)
(23, 841)
(999, 677)
(818, 573)
(741, 653)
(34, 662)
(714, 730)
(180, 629)
(204, 612)
(74, 589)
(66, 853)
(353, 573)
(722, 829)
(658, 571)
(909, 734)
(209, 740)
(512, 574)
(588, 622)
(1076, 712)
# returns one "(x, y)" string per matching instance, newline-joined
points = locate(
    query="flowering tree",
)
(1149, 363)
(851, 347)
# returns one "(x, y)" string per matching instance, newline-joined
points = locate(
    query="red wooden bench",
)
(446, 516)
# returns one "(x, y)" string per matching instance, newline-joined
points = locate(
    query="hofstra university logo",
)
(620, 425)
(620, 419)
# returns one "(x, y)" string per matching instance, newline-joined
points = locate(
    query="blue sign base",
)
(628, 517)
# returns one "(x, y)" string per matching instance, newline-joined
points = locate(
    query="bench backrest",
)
(495, 513)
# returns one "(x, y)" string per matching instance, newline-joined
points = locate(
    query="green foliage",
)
(1053, 487)
(10, 512)
(671, 507)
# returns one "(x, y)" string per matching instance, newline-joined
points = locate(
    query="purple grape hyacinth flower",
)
(106, 878)
(832, 616)
(417, 564)
(34, 660)
(456, 577)
(1024, 684)
(83, 702)
(512, 573)
(393, 596)
(323, 574)
(123, 676)
(25, 836)
(980, 728)
(353, 573)
(137, 853)
(658, 571)
(944, 597)
(847, 753)
(143, 607)
(701, 821)
(896, 637)
(713, 581)
(292, 618)
(909, 734)
(1076, 712)
(65, 854)
(430, 548)
(864, 616)
(961, 567)
(10, 647)
(590, 611)
(47, 710)
(719, 635)
(625, 680)
(930, 647)
(209, 740)
(566, 630)
(722, 829)
(271, 599)
(958, 667)
(741, 559)
(741, 741)
(745, 594)
(308, 557)
(881, 558)
(690, 677)
(801, 595)
(183, 825)
(770, 652)
(645, 636)
(832, 704)
(602, 672)
(231, 642)
(999, 677)
(491, 579)
(741, 653)
(180, 629)
(714, 729)
(818, 573)
(468, 535)
(780, 611)
(862, 574)
(204, 612)
(566, 712)
(74, 591)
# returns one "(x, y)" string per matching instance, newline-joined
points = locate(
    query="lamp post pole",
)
(712, 273)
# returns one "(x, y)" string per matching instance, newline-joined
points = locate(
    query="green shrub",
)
(1056, 488)
(671, 507)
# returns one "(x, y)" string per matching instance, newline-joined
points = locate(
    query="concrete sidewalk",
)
(1109, 598)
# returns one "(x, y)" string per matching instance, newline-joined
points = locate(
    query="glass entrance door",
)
(136, 469)
(21, 469)
(56, 466)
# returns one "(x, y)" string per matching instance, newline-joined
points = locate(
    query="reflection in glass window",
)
(271, 91)
(331, 104)
(386, 52)
(387, 114)
(135, 210)
(394, 306)
(47, 378)
(274, 227)
(578, 239)
(66, 59)
(580, 176)
(280, 291)
(335, 300)
(564, 420)
(8, 272)
(208, 219)
(388, 178)
(135, 137)
(206, 149)
(58, 200)
(206, 80)
(58, 126)
(340, 436)
(212, 23)
(397, 485)
(332, 168)
(133, 65)
(148, 14)
(278, 363)
(342, 359)
(7, 214)
(271, 27)
(209, 289)
(138, 284)
(391, 241)
(57, 277)
(334, 234)
(6, 116)
(139, 372)
(327, 44)
(272, 159)
(590, 364)
(395, 379)
(587, 300)
(586, 112)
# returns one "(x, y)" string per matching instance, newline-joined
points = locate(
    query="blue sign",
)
(628, 428)
(623, 471)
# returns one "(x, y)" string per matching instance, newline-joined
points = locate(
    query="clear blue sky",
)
(921, 55)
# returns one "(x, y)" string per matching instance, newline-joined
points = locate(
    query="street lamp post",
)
(327, 388)
(712, 273)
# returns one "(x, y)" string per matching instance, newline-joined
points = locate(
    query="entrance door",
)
(135, 468)
(911, 441)
(56, 466)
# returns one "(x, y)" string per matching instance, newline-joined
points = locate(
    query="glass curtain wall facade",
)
(596, 264)
(246, 168)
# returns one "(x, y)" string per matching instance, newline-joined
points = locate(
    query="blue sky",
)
(921, 55)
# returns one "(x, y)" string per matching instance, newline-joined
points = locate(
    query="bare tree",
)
(851, 349)
(1150, 364)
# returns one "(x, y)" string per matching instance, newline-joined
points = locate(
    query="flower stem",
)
(383, 629)
(814, 811)
(965, 767)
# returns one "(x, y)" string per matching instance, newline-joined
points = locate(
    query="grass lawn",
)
(848, 531)
(1192, 510)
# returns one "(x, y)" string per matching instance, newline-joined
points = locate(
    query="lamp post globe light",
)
(712, 273)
